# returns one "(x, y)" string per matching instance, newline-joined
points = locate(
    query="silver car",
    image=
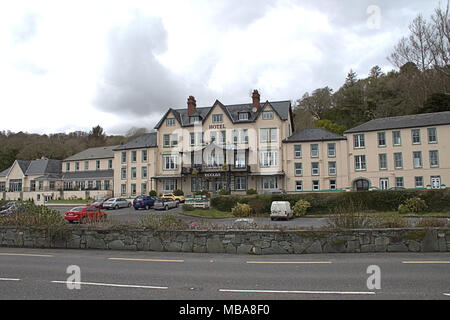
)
(116, 203)
(165, 204)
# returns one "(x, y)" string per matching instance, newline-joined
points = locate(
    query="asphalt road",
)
(42, 274)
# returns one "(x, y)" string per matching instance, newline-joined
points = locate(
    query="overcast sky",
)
(70, 65)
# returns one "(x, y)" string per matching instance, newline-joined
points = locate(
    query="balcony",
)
(208, 168)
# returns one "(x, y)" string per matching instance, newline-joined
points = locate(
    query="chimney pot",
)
(256, 99)
(192, 105)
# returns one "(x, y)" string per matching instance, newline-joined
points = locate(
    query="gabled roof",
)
(93, 153)
(282, 108)
(44, 166)
(313, 134)
(147, 140)
(410, 121)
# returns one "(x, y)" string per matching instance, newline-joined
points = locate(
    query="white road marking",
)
(9, 279)
(112, 285)
(426, 262)
(447, 294)
(146, 260)
(298, 292)
(26, 255)
(289, 262)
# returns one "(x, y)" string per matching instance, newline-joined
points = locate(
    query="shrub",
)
(393, 220)
(251, 192)
(31, 215)
(413, 205)
(241, 210)
(153, 193)
(178, 192)
(258, 207)
(300, 208)
(166, 222)
(431, 223)
(350, 220)
(224, 192)
(188, 207)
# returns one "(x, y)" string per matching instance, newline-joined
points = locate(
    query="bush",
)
(153, 193)
(301, 207)
(412, 205)
(166, 222)
(188, 207)
(251, 192)
(31, 215)
(258, 207)
(178, 192)
(224, 192)
(241, 210)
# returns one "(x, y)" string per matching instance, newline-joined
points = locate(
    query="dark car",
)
(144, 202)
(10, 207)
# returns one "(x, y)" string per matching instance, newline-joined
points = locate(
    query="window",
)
(382, 161)
(360, 163)
(97, 164)
(217, 118)
(384, 183)
(359, 141)
(32, 185)
(398, 160)
(15, 185)
(298, 185)
(194, 119)
(90, 185)
(242, 133)
(382, 139)
(144, 172)
(106, 185)
(2, 186)
(332, 170)
(298, 151)
(166, 141)
(434, 158)
(133, 156)
(124, 156)
(110, 162)
(269, 183)
(68, 166)
(133, 173)
(174, 138)
(86, 165)
(144, 155)
(123, 173)
(316, 185)
(170, 162)
(418, 181)
(268, 135)
(298, 169)
(332, 150)
(240, 183)
(123, 189)
(170, 184)
(315, 171)
(314, 150)
(396, 138)
(432, 135)
(243, 115)
(333, 185)
(170, 122)
(239, 160)
(52, 185)
(196, 184)
(415, 135)
(133, 189)
(267, 115)
(268, 159)
(192, 138)
(417, 159)
(143, 188)
(399, 182)
(77, 166)
(244, 136)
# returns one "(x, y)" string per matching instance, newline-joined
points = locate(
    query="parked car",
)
(173, 197)
(7, 205)
(99, 202)
(281, 209)
(144, 202)
(10, 207)
(84, 214)
(165, 204)
(116, 203)
(275, 191)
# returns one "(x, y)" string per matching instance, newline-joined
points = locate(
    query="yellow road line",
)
(26, 255)
(426, 262)
(289, 262)
(146, 260)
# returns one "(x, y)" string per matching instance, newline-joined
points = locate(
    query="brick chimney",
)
(192, 105)
(256, 99)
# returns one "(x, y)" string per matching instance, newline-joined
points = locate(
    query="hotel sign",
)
(217, 126)
(213, 175)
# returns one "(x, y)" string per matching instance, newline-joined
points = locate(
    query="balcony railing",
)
(206, 168)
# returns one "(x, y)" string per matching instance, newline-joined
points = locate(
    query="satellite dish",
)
(254, 109)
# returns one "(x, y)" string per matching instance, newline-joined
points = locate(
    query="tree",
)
(437, 102)
(96, 137)
(331, 126)
(318, 103)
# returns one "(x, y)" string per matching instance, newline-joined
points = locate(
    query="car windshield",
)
(77, 209)
(139, 198)
(100, 200)
(110, 200)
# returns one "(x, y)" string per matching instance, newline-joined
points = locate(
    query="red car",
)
(84, 214)
(99, 203)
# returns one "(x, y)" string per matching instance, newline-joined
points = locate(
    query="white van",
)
(281, 209)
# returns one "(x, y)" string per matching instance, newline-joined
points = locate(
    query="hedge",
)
(325, 203)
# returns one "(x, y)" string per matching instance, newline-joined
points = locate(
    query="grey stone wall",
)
(235, 242)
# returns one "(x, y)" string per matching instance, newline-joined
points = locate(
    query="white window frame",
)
(217, 118)
(415, 164)
(314, 152)
(332, 170)
(298, 153)
(298, 169)
(170, 162)
(359, 141)
(315, 168)
(360, 163)
(268, 159)
(434, 161)
(267, 115)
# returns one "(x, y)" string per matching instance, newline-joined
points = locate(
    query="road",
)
(42, 274)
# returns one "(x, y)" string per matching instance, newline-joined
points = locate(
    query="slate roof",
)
(410, 121)
(44, 166)
(98, 174)
(147, 140)
(313, 134)
(282, 108)
(93, 153)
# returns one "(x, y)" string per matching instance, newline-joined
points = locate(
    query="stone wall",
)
(235, 242)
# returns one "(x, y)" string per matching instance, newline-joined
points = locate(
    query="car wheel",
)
(147, 207)
(176, 206)
(84, 220)
(116, 207)
(167, 208)
(129, 205)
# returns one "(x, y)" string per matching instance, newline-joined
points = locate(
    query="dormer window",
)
(267, 115)
(170, 122)
(217, 118)
(194, 119)
(243, 115)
